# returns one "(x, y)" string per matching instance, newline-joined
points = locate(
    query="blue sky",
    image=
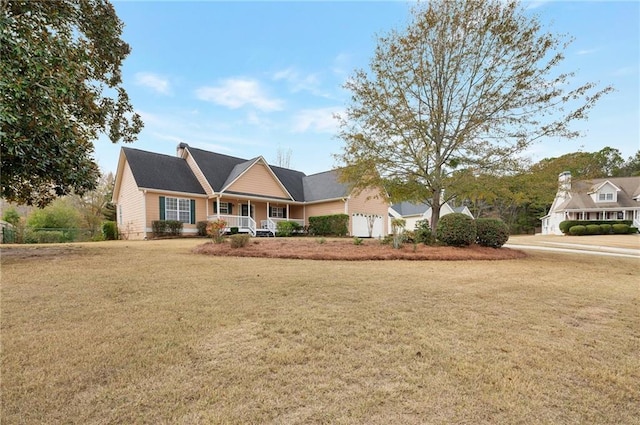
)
(251, 78)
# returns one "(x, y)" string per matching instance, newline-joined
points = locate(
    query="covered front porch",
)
(254, 216)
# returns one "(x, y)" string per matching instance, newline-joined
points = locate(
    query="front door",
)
(245, 211)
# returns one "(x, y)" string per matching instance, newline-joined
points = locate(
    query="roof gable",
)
(255, 177)
(161, 172)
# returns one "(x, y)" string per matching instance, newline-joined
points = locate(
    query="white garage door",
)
(361, 224)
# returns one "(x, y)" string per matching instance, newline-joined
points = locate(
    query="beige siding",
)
(152, 200)
(130, 207)
(375, 205)
(258, 180)
(201, 178)
(324, 208)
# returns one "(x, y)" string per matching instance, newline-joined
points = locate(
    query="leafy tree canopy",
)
(60, 87)
(467, 85)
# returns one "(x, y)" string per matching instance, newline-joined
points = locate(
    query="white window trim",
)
(178, 209)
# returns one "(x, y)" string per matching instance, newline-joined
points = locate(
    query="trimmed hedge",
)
(593, 229)
(456, 229)
(567, 224)
(166, 228)
(329, 225)
(620, 229)
(491, 232)
(202, 228)
(605, 229)
(578, 230)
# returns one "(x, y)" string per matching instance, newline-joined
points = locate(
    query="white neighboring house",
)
(412, 213)
(610, 198)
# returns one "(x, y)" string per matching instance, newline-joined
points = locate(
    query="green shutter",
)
(284, 212)
(215, 207)
(193, 210)
(230, 208)
(162, 212)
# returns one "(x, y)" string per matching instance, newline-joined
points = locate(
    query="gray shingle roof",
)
(580, 190)
(409, 208)
(163, 172)
(323, 186)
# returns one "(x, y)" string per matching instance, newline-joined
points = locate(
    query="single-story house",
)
(252, 195)
(413, 212)
(610, 198)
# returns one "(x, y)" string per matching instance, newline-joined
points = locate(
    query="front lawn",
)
(149, 332)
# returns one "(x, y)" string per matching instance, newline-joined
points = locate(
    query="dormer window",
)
(603, 197)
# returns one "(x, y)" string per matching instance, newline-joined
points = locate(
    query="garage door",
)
(361, 223)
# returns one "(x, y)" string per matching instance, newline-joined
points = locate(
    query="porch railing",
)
(241, 222)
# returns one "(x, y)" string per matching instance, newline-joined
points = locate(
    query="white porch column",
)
(218, 207)
(288, 216)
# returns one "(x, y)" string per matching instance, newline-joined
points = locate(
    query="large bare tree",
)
(467, 85)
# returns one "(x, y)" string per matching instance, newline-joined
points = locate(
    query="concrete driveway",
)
(607, 245)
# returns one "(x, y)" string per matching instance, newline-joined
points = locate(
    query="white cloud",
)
(319, 120)
(625, 71)
(153, 81)
(235, 93)
(586, 51)
(299, 82)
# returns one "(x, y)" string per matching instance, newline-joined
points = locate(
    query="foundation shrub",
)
(329, 225)
(491, 232)
(593, 229)
(239, 240)
(605, 229)
(633, 230)
(620, 229)
(202, 228)
(578, 230)
(287, 228)
(456, 229)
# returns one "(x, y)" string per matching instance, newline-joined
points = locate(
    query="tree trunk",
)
(435, 211)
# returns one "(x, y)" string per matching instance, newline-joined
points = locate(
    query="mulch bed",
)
(345, 249)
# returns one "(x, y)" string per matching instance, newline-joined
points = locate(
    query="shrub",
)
(329, 225)
(234, 230)
(110, 230)
(567, 224)
(397, 227)
(620, 229)
(357, 241)
(174, 227)
(605, 229)
(202, 228)
(216, 229)
(633, 230)
(577, 230)
(423, 232)
(50, 236)
(239, 240)
(456, 229)
(593, 229)
(159, 228)
(491, 232)
(287, 228)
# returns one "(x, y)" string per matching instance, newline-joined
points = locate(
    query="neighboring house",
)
(610, 198)
(412, 212)
(198, 185)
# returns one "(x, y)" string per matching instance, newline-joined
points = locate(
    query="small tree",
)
(11, 216)
(397, 228)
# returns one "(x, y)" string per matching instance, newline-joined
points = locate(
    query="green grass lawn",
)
(147, 332)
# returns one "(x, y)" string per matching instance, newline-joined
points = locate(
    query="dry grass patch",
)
(148, 332)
